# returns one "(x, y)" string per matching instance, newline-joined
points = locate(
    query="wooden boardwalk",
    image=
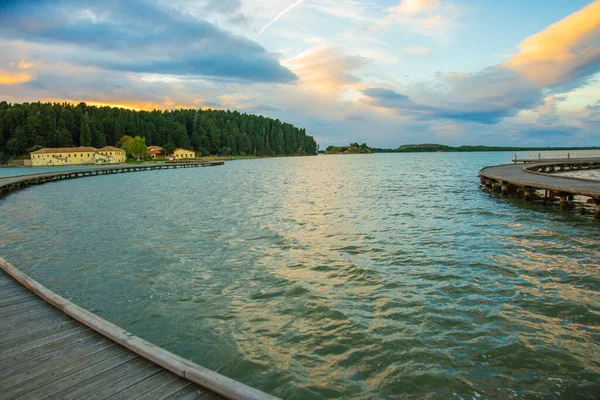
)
(14, 183)
(526, 179)
(51, 348)
(44, 353)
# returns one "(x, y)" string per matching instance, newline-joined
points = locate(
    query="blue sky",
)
(385, 72)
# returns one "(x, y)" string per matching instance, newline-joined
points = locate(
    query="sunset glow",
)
(410, 68)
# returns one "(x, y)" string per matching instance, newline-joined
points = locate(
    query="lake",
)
(360, 276)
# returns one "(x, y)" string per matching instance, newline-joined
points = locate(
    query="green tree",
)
(137, 147)
(85, 135)
(124, 141)
(98, 137)
(169, 148)
(18, 143)
(25, 125)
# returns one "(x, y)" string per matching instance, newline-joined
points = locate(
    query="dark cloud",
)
(139, 36)
(486, 97)
(385, 95)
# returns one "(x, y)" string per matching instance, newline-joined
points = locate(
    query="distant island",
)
(434, 148)
(352, 148)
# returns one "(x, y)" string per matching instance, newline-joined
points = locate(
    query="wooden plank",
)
(34, 326)
(35, 367)
(10, 351)
(114, 380)
(23, 316)
(45, 331)
(24, 306)
(47, 348)
(12, 291)
(519, 176)
(15, 299)
(167, 389)
(8, 282)
(72, 375)
(146, 385)
(110, 382)
(194, 392)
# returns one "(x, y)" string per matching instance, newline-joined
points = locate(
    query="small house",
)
(154, 152)
(183, 154)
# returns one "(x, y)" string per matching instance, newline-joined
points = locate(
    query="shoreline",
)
(200, 159)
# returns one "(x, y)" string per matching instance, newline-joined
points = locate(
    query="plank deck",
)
(46, 354)
(519, 176)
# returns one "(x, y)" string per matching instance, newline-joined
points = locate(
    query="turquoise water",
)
(376, 276)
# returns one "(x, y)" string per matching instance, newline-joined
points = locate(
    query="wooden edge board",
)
(193, 372)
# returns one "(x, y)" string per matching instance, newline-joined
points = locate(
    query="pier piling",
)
(537, 175)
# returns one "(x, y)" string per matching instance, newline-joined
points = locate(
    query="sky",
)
(387, 72)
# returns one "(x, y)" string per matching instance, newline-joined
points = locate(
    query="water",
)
(375, 276)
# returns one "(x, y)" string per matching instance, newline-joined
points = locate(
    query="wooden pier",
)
(526, 180)
(51, 348)
(44, 353)
(14, 183)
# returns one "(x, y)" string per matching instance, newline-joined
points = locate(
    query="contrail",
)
(281, 14)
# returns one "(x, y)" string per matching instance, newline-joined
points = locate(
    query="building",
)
(63, 156)
(77, 156)
(183, 154)
(111, 155)
(155, 152)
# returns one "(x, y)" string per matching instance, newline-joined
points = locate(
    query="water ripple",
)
(385, 276)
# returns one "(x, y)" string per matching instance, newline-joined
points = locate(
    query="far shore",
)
(157, 161)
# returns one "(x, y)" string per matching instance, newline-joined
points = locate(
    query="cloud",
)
(559, 58)
(201, 9)
(13, 78)
(486, 97)
(387, 97)
(565, 51)
(414, 7)
(325, 69)
(427, 17)
(138, 37)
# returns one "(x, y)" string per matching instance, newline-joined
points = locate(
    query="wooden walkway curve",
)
(519, 179)
(44, 353)
(14, 183)
(51, 348)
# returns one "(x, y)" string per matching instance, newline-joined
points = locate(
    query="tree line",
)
(29, 126)
(433, 148)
